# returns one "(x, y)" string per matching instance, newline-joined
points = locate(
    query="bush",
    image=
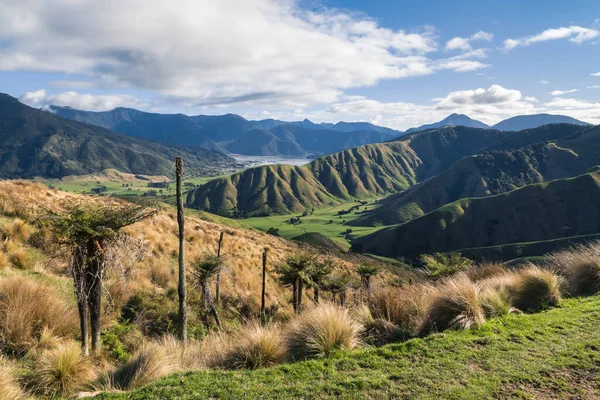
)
(27, 306)
(455, 306)
(9, 389)
(440, 265)
(150, 363)
(255, 346)
(63, 370)
(535, 288)
(581, 268)
(320, 331)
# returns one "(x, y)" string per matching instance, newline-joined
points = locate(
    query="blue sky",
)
(394, 63)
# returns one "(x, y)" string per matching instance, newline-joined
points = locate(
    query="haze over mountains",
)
(234, 134)
(39, 144)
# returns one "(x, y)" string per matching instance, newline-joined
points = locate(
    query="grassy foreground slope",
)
(554, 354)
(561, 208)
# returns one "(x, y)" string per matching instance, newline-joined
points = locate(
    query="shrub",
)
(150, 363)
(63, 370)
(9, 389)
(455, 306)
(535, 288)
(255, 346)
(581, 268)
(322, 330)
(441, 265)
(405, 307)
(27, 306)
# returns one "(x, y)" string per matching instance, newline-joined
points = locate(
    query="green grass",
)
(315, 222)
(551, 354)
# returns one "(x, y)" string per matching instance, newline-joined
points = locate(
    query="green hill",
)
(361, 172)
(39, 144)
(484, 175)
(554, 354)
(545, 211)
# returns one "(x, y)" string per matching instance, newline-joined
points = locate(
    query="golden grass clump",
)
(405, 307)
(63, 370)
(580, 267)
(534, 288)
(495, 302)
(322, 330)
(486, 271)
(184, 357)
(18, 255)
(150, 363)
(27, 307)
(255, 346)
(4, 261)
(17, 229)
(454, 306)
(160, 274)
(9, 388)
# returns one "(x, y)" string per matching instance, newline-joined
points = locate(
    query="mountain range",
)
(39, 144)
(232, 133)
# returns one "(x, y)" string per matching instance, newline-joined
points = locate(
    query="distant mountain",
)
(533, 121)
(538, 212)
(39, 144)
(451, 120)
(233, 133)
(360, 172)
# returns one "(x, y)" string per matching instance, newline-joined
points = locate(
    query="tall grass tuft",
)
(63, 370)
(322, 330)
(17, 229)
(27, 307)
(495, 302)
(255, 346)
(534, 288)
(455, 306)
(9, 388)
(486, 271)
(405, 307)
(581, 268)
(150, 363)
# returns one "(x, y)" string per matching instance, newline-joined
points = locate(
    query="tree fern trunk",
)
(181, 289)
(299, 299)
(218, 279)
(94, 272)
(209, 303)
(264, 283)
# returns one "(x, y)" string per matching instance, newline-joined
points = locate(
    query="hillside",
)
(545, 211)
(233, 133)
(39, 144)
(491, 173)
(521, 122)
(451, 120)
(482, 363)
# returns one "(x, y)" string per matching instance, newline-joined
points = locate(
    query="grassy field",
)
(324, 220)
(554, 354)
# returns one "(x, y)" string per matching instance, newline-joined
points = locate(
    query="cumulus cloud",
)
(575, 34)
(206, 52)
(495, 94)
(561, 92)
(80, 101)
(464, 44)
(68, 84)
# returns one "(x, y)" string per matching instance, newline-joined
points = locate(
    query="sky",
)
(397, 63)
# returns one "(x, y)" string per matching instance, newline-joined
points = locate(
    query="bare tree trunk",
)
(342, 297)
(181, 289)
(295, 296)
(81, 293)
(299, 298)
(316, 294)
(82, 307)
(264, 283)
(218, 279)
(94, 271)
(208, 301)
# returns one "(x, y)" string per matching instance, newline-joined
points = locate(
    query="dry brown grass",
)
(486, 271)
(455, 306)
(320, 331)
(17, 229)
(27, 307)
(9, 388)
(19, 256)
(4, 260)
(535, 288)
(495, 302)
(581, 268)
(255, 346)
(405, 307)
(63, 370)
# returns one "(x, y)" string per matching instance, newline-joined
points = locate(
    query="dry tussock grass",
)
(580, 266)
(255, 346)
(9, 388)
(29, 306)
(486, 271)
(534, 288)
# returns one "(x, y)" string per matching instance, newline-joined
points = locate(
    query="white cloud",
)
(596, 74)
(544, 82)
(464, 44)
(594, 87)
(80, 101)
(575, 34)
(68, 84)
(561, 92)
(207, 52)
